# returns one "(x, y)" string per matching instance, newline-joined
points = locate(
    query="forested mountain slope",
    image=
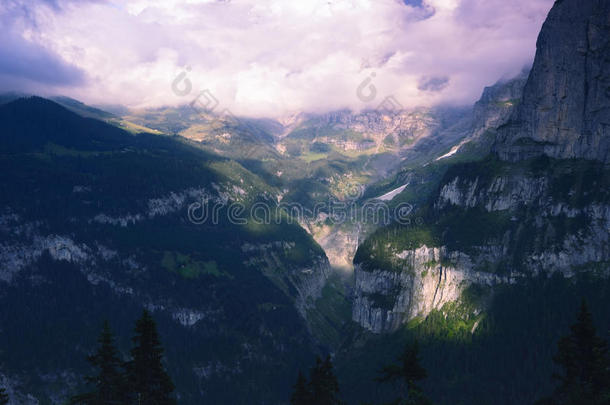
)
(95, 225)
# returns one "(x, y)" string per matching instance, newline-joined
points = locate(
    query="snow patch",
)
(389, 196)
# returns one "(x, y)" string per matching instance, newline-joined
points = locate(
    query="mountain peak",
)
(565, 110)
(29, 123)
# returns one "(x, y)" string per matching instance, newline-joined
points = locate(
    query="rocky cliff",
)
(303, 283)
(539, 204)
(565, 110)
(424, 279)
(497, 103)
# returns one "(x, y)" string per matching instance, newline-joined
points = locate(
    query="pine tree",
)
(109, 383)
(3, 397)
(322, 387)
(406, 374)
(149, 382)
(585, 369)
(323, 384)
(300, 394)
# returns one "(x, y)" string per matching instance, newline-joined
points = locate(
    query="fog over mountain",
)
(266, 58)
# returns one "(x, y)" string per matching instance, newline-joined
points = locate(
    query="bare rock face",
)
(565, 111)
(497, 103)
(427, 278)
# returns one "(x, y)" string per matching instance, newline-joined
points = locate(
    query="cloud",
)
(438, 83)
(274, 57)
(26, 63)
(22, 59)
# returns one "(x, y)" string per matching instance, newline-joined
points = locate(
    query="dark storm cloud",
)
(23, 61)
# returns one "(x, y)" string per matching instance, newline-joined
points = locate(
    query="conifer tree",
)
(585, 368)
(109, 383)
(322, 387)
(301, 394)
(406, 374)
(323, 384)
(3, 397)
(148, 381)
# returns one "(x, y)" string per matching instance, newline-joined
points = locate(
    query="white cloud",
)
(272, 57)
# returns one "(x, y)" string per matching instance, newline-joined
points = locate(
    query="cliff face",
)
(489, 223)
(303, 283)
(538, 205)
(565, 111)
(425, 278)
(497, 104)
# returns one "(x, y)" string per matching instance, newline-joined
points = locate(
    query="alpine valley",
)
(106, 211)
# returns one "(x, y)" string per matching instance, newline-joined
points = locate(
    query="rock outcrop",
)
(426, 279)
(497, 103)
(565, 111)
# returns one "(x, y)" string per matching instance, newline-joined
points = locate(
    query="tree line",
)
(583, 376)
(322, 387)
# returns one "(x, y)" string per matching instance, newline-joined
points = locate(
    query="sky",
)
(266, 58)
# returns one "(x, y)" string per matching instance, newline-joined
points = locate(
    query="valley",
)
(258, 244)
(132, 232)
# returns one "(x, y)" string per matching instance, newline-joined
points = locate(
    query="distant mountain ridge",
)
(29, 123)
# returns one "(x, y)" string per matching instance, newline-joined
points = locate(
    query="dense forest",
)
(581, 376)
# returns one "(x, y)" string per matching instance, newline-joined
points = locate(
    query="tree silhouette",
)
(406, 373)
(585, 370)
(322, 387)
(110, 384)
(3, 397)
(323, 383)
(301, 394)
(148, 381)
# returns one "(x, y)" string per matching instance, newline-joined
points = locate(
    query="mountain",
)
(319, 159)
(98, 223)
(542, 212)
(468, 139)
(225, 229)
(82, 109)
(500, 237)
(385, 136)
(565, 111)
(372, 141)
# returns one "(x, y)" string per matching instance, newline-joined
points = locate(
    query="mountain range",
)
(226, 230)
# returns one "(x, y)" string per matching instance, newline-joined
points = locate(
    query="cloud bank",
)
(267, 57)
